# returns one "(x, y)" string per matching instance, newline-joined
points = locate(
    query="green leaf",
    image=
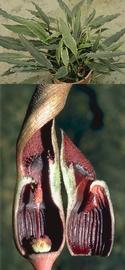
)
(101, 30)
(115, 46)
(16, 69)
(98, 67)
(85, 45)
(90, 17)
(61, 73)
(15, 44)
(66, 10)
(41, 14)
(120, 65)
(12, 55)
(101, 20)
(14, 58)
(38, 56)
(112, 65)
(97, 22)
(96, 43)
(51, 47)
(65, 56)
(17, 59)
(114, 38)
(105, 54)
(67, 37)
(19, 29)
(11, 43)
(18, 62)
(77, 7)
(36, 29)
(36, 14)
(58, 51)
(53, 35)
(77, 25)
(11, 17)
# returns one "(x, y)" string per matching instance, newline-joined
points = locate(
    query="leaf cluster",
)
(68, 48)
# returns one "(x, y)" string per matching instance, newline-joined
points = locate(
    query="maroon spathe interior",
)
(82, 167)
(37, 214)
(89, 227)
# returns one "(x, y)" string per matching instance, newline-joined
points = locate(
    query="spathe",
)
(39, 223)
(90, 217)
(38, 217)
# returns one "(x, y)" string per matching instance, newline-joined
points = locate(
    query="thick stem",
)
(43, 262)
(43, 265)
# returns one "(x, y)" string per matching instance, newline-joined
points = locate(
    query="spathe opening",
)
(40, 228)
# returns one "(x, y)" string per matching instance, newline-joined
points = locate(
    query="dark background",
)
(94, 118)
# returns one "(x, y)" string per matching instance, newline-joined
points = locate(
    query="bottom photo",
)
(62, 177)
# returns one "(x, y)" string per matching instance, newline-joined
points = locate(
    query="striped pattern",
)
(90, 230)
(31, 223)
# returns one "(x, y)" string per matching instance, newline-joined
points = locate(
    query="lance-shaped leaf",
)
(66, 10)
(90, 17)
(38, 211)
(101, 20)
(37, 29)
(114, 38)
(41, 14)
(15, 44)
(19, 29)
(90, 219)
(67, 37)
(16, 58)
(103, 55)
(65, 56)
(38, 56)
(77, 25)
(10, 16)
(77, 7)
(22, 68)
(61, 73)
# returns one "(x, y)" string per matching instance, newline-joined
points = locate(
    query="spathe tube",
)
(38, 217)
(38, 212)
(90, 217)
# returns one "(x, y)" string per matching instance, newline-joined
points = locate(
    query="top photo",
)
(62, 41)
